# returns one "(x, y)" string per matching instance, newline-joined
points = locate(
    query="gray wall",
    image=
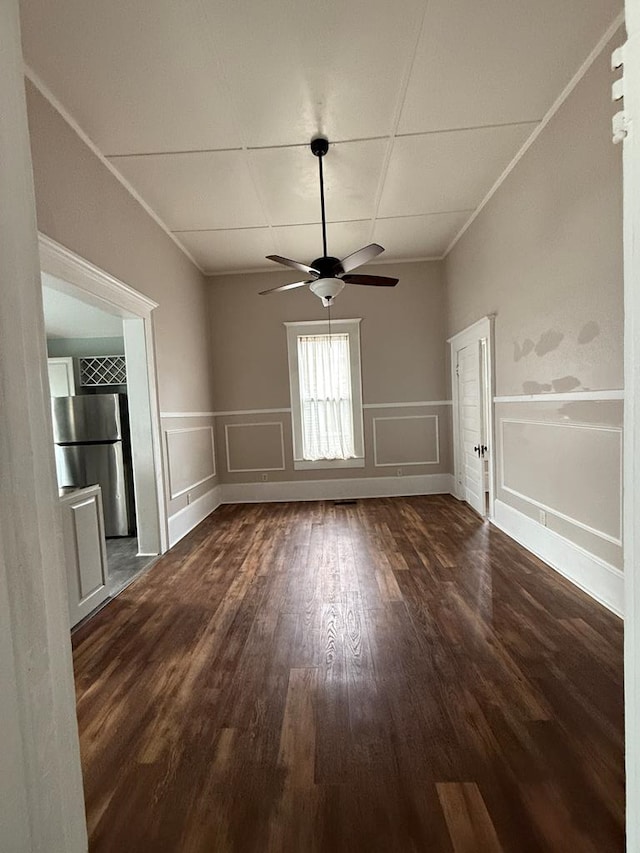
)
(77, 347)
(81, 205)
(403, 361)
(545, 255)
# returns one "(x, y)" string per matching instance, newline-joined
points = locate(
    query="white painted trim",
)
(252, 412)
(46, 93)
(631, 238)
(65, 265)
(106, 291)
(316, 325)
(173, 495)
(287, 410)
(562, 97)
(560, 397)
(472, 333)
(594, 576)
(323, 464)
(415, 405)
(319, 490)
(350, 327)
(41, 797)
(435, 461)
(168, 415)
(227, 427)
(616, 540)
(183, 521)
(145, 454)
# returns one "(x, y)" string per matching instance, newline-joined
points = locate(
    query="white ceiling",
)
(206, 108)
(68, 317)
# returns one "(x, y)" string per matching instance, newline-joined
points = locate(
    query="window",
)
(326, 395)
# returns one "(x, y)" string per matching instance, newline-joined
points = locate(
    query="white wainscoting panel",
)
(191, 458)
(573, 471)
(415, 440)
(599, 579)
(329, 490)
(253, 447)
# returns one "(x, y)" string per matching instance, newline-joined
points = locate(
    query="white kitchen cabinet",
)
(61, 378)
(85, 550)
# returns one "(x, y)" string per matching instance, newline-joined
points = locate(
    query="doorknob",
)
(476, 449)
(483, 449)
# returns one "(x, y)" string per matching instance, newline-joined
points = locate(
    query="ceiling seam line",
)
(204, 7)
(600, 45)
(267, 270)
(57, 105)
(306, 144)
(470, 127)
(396, 119)
(172, 153)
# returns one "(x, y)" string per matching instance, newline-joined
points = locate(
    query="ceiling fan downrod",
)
(327, 275)
(319, 147)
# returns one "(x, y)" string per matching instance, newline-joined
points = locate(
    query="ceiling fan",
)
(328, 275)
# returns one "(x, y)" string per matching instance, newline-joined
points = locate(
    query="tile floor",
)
(124, 564)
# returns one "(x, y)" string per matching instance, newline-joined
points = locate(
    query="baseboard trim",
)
(319, 490)
(183, 521)
(599, 579)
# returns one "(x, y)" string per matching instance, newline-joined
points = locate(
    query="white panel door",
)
(470, 429)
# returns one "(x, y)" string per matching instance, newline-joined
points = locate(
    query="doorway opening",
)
(105, 420)
(472, 395)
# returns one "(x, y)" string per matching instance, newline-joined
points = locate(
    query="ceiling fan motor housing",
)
(327, 267)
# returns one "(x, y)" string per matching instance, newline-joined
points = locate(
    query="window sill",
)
(306, 465)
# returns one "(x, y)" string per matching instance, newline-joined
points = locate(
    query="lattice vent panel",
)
(103, 370)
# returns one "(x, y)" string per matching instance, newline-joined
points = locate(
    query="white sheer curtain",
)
(325, 397)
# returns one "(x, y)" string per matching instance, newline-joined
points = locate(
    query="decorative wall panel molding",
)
(248, 451)
(424, 443)
(573, 471)
(191, 458)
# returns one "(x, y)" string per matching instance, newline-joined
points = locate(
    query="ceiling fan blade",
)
(285, 287)
(362, 256)
(378, 280)
(295, 264)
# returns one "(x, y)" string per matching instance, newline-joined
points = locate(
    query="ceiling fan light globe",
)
(326, 288)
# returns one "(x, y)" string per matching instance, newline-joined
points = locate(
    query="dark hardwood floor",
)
(394, 675)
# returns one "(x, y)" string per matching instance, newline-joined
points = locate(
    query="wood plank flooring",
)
(394, 675)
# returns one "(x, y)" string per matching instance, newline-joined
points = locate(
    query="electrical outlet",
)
(264, 477)
(399, 472)
(543, 517)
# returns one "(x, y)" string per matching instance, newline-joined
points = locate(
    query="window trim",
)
(321, 327)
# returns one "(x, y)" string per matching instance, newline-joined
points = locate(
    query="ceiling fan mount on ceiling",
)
(329, 275)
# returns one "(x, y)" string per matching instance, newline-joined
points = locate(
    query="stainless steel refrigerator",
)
(91, 438)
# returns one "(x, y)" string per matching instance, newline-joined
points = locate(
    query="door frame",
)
(106, 292)
(631, 495)
(476, 332)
